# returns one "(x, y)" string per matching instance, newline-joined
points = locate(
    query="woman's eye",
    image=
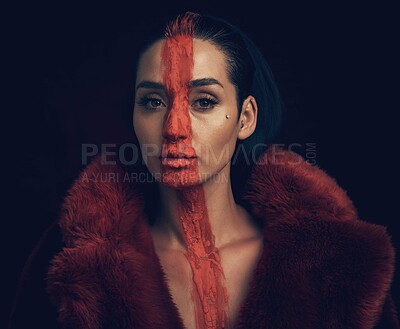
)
(155, 102)
(204, 103)
(151, 103)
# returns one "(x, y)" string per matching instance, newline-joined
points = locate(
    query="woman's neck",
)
(212, 200)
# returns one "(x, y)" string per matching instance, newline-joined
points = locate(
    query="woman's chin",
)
(179, 178)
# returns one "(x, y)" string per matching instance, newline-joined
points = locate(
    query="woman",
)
(193, 248)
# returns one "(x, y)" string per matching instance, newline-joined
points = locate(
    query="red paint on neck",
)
(209, 294)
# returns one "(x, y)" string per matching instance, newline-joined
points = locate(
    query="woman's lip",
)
(176, 157)
(177, 162)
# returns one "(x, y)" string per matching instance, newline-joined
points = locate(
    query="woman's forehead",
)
(209, 62)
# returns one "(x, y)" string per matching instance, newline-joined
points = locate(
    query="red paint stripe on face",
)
(209, 293)
(177, 57)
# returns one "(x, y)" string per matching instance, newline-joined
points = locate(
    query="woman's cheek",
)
(216, 152)
(149, 135)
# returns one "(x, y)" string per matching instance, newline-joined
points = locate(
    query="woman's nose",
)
(177, 122)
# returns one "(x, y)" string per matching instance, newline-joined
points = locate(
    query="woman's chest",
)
(238, 263)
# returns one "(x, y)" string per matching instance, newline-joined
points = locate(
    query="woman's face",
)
(158, 124)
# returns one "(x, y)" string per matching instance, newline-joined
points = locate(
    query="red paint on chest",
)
(209, 294)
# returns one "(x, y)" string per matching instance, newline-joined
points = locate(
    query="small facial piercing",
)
(242, 124)
(227, 116)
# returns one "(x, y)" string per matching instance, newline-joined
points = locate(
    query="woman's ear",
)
(248, 118)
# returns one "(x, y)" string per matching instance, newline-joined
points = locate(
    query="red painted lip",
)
(177, 156)
(177, 151)
(177, 162)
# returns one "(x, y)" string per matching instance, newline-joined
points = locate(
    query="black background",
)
(335, 65)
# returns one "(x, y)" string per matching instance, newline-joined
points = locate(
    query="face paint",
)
(177, 57)
(209, 294)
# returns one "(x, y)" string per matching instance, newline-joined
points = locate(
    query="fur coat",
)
(321, 266)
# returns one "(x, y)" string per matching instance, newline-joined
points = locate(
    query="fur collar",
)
(321, 267)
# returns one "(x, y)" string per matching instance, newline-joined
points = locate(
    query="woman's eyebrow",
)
(193, 84)
(150, 85)
(205, 82)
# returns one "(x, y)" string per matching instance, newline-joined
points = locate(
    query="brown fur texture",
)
(321, 266)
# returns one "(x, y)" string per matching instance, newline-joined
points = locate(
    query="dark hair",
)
(250, 74)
